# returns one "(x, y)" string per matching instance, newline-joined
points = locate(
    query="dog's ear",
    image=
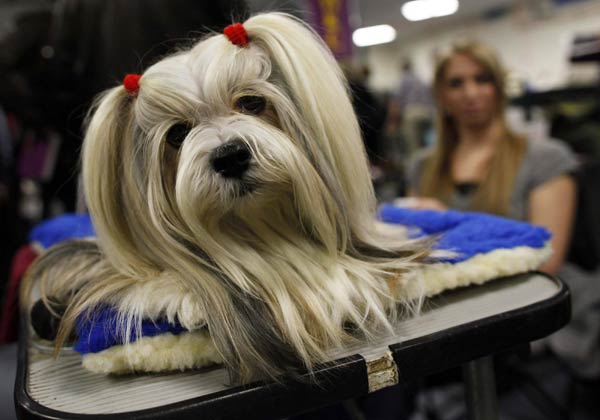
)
(108, 168)
(320, 93)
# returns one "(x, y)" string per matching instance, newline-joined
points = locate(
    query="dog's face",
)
(240, 172)
(229, 159)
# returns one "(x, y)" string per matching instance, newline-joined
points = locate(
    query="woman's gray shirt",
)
(543, 160)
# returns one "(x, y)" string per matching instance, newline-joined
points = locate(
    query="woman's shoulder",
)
(548, 148)
(546, 159)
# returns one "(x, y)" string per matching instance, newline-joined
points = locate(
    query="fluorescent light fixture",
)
(416, 10)
(426, 9)
(373, 35)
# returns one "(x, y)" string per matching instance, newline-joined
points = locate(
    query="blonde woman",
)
(479, 164)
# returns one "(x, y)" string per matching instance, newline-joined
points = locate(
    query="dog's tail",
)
(52, 282)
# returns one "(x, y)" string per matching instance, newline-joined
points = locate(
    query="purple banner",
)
(330, 19)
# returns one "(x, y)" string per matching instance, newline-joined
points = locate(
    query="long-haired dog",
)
(231, 193)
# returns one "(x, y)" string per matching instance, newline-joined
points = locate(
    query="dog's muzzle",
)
(232, 159)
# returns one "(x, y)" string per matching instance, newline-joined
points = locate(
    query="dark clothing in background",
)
(99, 41)
(371, 116)
(25, 85)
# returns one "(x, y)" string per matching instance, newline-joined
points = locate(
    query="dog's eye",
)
(251, 104)
(177, 134)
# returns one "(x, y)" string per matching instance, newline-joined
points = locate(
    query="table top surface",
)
(453, 328)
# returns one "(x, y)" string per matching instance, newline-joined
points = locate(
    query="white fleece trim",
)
(438, 277)
(164, 352)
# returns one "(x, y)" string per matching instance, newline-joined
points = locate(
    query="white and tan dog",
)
(231, 193)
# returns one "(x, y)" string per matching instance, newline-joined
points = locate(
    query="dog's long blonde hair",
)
(495, 192)
(278, 277)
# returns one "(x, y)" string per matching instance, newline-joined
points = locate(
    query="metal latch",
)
(382, 372)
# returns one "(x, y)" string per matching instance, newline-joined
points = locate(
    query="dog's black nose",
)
(232, 159)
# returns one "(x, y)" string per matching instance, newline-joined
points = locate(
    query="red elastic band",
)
(236, 34)
(132, 83)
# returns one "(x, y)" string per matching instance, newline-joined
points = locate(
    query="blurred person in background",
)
(410, 112)
(479, 164)
(369, 111)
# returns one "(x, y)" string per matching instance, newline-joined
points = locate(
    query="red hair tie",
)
(237, 34)
(132, 83)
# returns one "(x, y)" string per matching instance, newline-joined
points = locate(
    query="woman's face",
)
(468, 93)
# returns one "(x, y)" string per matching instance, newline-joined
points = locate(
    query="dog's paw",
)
(190, 315)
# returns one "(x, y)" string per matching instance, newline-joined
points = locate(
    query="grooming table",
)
(460, 327)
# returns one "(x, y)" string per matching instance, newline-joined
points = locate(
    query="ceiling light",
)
(426, 9)
(373, 35)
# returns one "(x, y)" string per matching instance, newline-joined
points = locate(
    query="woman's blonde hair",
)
(495, 191)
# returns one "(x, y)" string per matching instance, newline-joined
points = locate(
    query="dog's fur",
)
(278, 264)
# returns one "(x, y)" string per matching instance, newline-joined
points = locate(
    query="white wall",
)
(536, 48)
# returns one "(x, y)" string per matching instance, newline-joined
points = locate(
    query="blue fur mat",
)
(99, 331)
(465, 233)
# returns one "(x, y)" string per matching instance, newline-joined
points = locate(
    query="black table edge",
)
(347, 378)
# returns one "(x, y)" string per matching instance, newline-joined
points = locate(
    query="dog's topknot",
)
(236, 33)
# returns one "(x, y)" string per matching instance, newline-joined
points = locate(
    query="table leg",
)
(480, 389)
